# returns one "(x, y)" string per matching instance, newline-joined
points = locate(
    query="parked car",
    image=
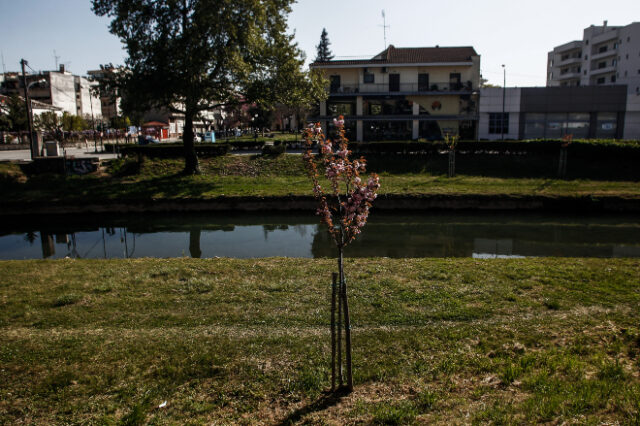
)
(146, 140)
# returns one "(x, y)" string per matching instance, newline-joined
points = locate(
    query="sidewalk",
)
(25, 154)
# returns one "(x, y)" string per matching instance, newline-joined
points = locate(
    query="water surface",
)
(294, 235)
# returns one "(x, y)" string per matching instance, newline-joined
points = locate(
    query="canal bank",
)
(299, 203)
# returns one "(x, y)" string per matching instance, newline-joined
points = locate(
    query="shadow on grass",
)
(329, 399)
(91, 189)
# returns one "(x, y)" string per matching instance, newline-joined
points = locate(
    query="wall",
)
(491, 102)
(63, 92)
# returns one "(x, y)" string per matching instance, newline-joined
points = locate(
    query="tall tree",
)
(191, 56)
(13, 114)
(324, 53)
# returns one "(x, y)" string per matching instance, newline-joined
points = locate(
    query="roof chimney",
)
(62, 68)
(605, 24)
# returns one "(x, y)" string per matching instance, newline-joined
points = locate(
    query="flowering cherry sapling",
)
(344, 208)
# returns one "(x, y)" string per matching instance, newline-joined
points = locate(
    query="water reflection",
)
(242, 236)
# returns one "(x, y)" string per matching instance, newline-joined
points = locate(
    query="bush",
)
(275, 149)
(122, 167)
(173, 150)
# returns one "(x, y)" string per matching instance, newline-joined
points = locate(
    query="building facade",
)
(606, 55)
(586, 112)
(109, 102)
(404, 93)
(71, 93)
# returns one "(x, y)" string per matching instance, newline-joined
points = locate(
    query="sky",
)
(512, 32)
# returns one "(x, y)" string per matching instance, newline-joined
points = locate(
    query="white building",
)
(606, 55)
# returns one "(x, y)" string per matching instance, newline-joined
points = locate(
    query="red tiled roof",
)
(411, 55)
(155, 124)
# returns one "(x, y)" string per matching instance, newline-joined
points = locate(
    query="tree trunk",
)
(333, 330)
(339, 339)
(347, 321)
(191, 166)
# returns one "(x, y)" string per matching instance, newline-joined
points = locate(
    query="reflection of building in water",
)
(626, 251)
(487, 248)
(271, 228)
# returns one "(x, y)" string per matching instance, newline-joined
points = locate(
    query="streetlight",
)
(504, 94)
(34, 149)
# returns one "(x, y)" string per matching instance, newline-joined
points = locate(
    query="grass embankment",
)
(246, 341)
(278, 176)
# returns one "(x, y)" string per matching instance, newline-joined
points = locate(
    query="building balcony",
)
(607, 54)
(573, 45)
(385, 89)
(604, 37)
(569, 61)
(569, 76)
(605, 70)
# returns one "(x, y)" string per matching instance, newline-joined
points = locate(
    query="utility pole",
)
(34, 149)
(504, 95)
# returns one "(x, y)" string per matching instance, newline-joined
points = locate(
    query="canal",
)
(476, 235)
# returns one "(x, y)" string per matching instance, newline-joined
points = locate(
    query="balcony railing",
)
(350, 89)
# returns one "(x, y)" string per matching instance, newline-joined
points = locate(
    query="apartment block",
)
(404, 93)
(71, 93)
(606, 55)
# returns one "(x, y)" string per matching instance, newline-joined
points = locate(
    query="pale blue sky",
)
(512, 32)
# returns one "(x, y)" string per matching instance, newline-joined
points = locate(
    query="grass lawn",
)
(246, 341)
(248, 175)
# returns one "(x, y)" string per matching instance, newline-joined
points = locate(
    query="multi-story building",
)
(606, 55)
(109, 102)
(71, 93)
(404, 93)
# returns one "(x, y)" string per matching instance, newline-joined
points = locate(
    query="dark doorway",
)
(394, 82)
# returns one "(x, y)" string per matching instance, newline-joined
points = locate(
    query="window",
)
(626, 74)
(586, 57)
(585, 72)
(602, 49)
(369, 78)
(615, 46)
(601, 80)
(614, 62)
(626, 56)
(628, 38)
(613, 78)
(602, 65)
(498, 123)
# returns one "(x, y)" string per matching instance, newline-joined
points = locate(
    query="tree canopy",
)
(324, 53)
(189, 56)
(13, 114)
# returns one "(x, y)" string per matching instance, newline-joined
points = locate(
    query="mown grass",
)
(232, 176)
(246, 341)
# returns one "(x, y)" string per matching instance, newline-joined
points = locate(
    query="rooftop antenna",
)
(384, 28)
(4, 69)
(55, 57)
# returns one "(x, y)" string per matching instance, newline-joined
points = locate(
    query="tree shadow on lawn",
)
(329, 399)
(102, 189)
